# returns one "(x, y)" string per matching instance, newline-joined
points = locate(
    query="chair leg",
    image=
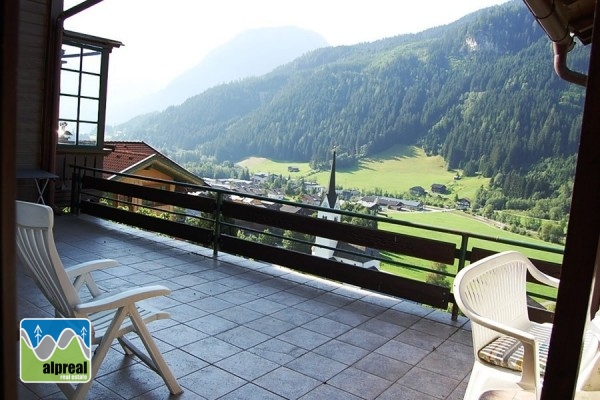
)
(160, 366)
(79, 392)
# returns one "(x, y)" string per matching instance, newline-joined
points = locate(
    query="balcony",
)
(249, 329)
(258, 320)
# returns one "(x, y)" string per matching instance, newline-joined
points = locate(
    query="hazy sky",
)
(165, 38)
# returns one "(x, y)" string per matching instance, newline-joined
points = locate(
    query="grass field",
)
(462, 222)
(394, 171)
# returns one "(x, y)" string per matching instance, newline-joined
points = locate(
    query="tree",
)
(290, 242)
(551, 232)
(435, 278)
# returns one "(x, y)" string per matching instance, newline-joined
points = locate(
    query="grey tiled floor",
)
(240, 329)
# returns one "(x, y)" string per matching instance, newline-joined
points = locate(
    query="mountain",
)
(251, 53)
(480, 91)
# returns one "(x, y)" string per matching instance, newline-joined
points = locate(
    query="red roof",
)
(126, 154)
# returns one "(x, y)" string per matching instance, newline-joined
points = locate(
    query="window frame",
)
(92, 46)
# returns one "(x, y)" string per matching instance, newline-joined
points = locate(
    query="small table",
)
(40, 178)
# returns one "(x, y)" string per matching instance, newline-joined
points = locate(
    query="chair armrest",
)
(82, 273)
(530, 376)
(542, 277)
(121, 299)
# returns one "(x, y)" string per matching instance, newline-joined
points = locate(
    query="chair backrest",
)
(494, 288)
(37, 251)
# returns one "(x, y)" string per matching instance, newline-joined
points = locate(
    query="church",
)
(331, 249)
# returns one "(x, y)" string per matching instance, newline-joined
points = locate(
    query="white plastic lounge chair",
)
(510, 350)
(112, 315)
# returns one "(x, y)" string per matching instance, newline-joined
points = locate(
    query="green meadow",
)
(463, 222)
(394, 171)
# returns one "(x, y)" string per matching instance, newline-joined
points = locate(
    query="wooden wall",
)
(36, 102)
(8, 319)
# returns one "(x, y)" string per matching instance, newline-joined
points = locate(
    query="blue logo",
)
(55, 350)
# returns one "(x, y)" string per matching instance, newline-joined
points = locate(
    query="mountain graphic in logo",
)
(55, 350)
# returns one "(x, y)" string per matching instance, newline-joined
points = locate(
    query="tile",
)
(211, 324)
(294, 316)
(278, 351)
(243, 337)
(316, 307)
(185, 312)
(364, 308)
(211, 382)
(287, 383)
(211, 349)
(328, 392)
(270, 325)
(347, 317)
(210, 304)
(364, 339)
(265, 306)
(382, 366)
(247, 365)
(402, 352)
(132, 381)
(400, 392)
(382, 328)
(429, 382)
(179, 335)
(341, 351)
(239, 314)
(304, 338)
(360, 383)
(251, 392)
(434, 328)
(237, 297)
(456, 351)
(183, 363)
(400, 318)
(451, 367)
(419, 339)
(327, 327)
(212, 288)
(316, 366)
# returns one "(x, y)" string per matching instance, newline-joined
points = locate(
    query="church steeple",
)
(331, 194)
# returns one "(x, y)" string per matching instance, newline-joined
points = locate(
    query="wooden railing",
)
(219, 219)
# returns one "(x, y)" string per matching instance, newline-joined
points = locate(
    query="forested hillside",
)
(481, 92)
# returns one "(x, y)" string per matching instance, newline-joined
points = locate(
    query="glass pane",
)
(65, 136)
(71, 57)
(88, 110)
(88, 134)
(69, 82)
(90, 85)
(68, 107)
(91, 61)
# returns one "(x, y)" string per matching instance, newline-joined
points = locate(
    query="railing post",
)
(217, 230)
(461, 264)
(75, 191)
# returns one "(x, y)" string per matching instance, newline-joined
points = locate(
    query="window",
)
(83, 78)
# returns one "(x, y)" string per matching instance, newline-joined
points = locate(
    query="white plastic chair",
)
(112, 315)
(492, 294)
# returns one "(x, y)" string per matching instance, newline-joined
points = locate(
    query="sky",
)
(162, 39)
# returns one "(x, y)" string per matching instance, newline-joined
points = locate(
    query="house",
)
(293, 169)
(417, 191)
(463, 204)
(439, 188)
(413, 205)
(139, 158)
